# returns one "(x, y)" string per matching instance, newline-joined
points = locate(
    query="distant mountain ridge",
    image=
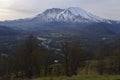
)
(7, 31)
(56, 18)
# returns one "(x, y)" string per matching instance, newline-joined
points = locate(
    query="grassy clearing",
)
(83, 77)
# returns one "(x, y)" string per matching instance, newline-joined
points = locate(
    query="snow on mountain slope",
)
(49, 14)
(72, 14)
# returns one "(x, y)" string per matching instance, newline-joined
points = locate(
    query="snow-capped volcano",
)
(72, 14)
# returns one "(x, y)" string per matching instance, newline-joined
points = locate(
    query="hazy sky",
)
(13, 9)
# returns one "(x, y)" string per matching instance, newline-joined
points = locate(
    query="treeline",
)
(33, 60)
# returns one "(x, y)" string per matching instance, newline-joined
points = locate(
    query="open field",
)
(84, 77)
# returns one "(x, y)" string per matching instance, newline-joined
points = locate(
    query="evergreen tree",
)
(28, 59)
(73, 58)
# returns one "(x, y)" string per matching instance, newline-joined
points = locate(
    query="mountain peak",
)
(53, 10)
(83, 13)
(72, 14)
(77, 11)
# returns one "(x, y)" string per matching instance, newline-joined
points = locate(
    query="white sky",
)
(14, 9)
